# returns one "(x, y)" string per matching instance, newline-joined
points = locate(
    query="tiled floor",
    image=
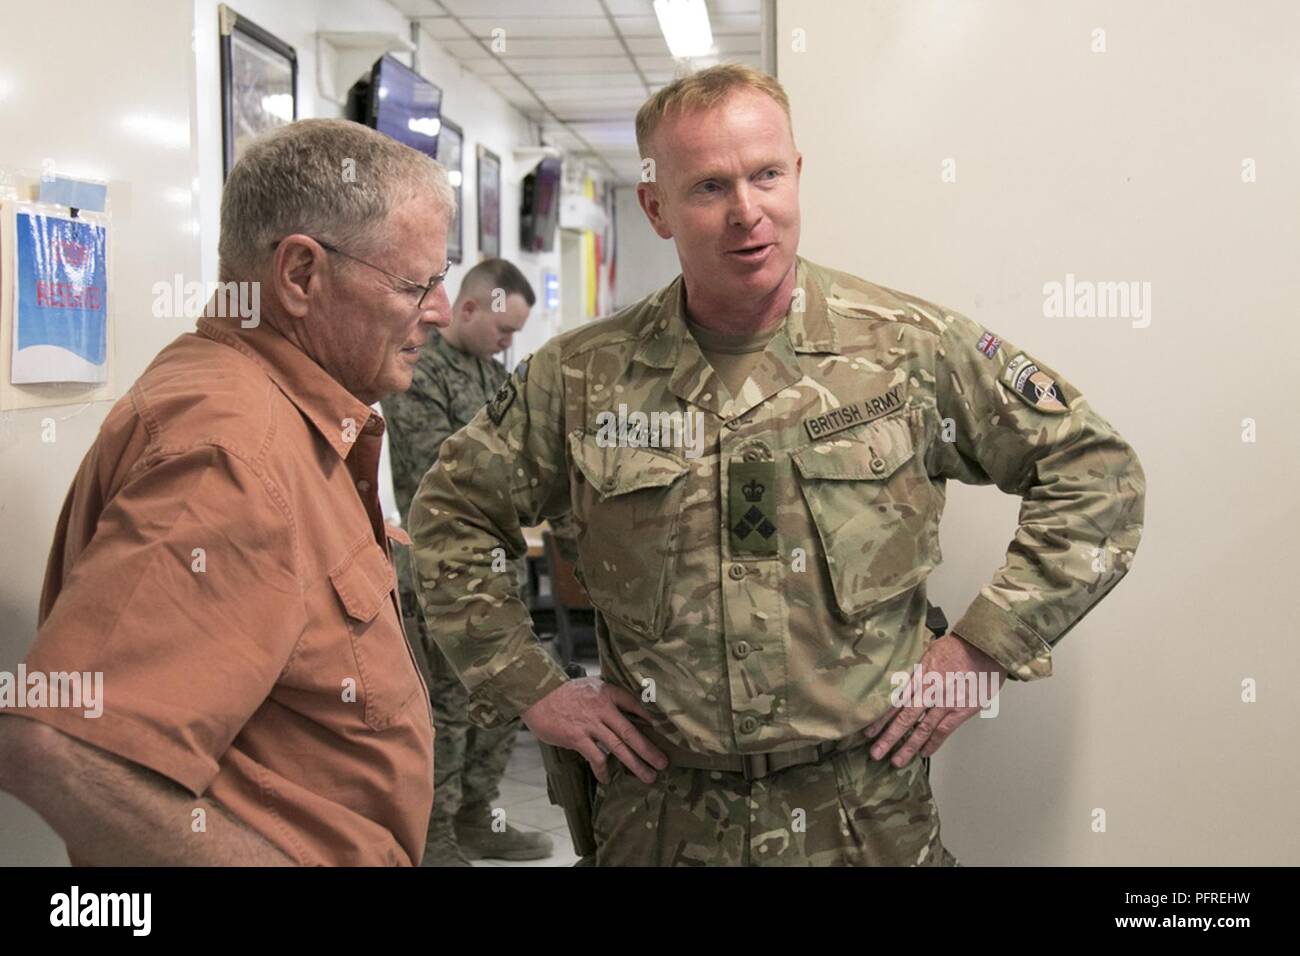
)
(523, 797)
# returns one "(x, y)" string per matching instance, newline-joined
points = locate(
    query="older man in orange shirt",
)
(221, 557)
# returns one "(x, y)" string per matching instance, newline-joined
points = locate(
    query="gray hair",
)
(332, 179)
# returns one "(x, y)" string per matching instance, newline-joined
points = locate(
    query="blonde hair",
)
(705, 90)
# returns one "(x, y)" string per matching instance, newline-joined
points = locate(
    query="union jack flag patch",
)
(989, 344)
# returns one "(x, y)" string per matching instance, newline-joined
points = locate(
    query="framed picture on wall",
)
(259, 82)
(451, 145)
(489, 204)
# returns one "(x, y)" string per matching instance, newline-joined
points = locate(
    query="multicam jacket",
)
(761, 577)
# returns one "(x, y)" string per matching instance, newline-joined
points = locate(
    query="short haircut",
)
(496, 274)
(702, 91)
(328, 178)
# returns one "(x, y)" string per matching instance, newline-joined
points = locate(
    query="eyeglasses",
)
(425, 288)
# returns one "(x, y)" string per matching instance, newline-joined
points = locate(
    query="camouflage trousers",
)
(468, 761)
(846, 810)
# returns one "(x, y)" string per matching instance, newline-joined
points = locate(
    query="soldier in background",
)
(760, 570)
(454, 378)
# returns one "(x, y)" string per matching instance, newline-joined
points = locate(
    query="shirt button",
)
(748, 725)
(611, 484)
(742, 650)
(363, 485)
(877, 465)
(736, 572)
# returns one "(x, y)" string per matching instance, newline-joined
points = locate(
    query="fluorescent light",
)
(685, 25)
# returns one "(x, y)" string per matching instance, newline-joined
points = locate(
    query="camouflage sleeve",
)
(419, 420)
(1007, 418)
(504, 471)
(565, 531)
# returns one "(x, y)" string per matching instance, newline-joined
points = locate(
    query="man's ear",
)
(296, 273)
(647, 194)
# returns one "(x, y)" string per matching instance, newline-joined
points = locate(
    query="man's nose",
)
(437, 308)
(744, 212)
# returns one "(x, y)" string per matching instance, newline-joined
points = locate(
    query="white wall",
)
(148, 120)
(114, 105)
(1122, 165)
(646, 263)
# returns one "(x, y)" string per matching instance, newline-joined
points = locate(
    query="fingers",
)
(920, 734)
(628, 701)
(642, 747)
(620, 749)
(904, 720)
(599, 762)
(942, 732)
(876, 725)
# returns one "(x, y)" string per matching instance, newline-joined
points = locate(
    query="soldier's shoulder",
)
(856, 299)
(623, 329)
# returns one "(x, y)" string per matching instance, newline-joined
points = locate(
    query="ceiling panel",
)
(441, 28)
(580, 69)
(523, 8)
(532, 27)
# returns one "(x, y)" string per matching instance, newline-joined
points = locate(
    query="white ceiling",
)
(580, 68)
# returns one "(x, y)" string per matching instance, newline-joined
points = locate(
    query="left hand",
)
(947, 655)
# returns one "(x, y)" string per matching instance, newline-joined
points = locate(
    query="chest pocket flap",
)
(629, 513)
(872, 514)
(618, 471)
(364, 582)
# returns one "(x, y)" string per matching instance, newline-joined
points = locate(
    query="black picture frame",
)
(255, 65)
(488, 185)
(451, 150)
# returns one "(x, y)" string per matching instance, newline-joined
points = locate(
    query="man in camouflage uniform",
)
(762, 579)
(454, 377)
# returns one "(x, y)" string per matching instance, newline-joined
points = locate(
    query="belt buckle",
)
(755, 766)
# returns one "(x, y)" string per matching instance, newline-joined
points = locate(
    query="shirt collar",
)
(809, 330)
(336, 413)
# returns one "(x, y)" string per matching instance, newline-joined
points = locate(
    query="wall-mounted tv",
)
(539, 211)
(396, 100)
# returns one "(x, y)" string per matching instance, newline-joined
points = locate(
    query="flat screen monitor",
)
(396, 100)
(540, 206)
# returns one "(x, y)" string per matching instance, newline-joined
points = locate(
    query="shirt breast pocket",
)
(628, 503)
(874, 509)
(364, 582)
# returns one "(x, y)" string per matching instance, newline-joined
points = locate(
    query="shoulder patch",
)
(1034, 386)
(501, 401)
(989, 344)
(521, 370)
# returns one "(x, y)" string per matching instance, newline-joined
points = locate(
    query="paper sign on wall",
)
(61, 300)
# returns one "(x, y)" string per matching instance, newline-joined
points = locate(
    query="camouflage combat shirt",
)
(759, 587)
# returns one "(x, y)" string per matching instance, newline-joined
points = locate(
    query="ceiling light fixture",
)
(685, 26)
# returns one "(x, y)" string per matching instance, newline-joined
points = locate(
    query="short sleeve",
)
(184, 607)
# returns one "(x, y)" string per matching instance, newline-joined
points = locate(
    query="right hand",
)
(586, 715)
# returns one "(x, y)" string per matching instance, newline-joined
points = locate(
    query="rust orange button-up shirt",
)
(222, 559)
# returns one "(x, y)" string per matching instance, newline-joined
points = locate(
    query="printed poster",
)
(60, 300)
